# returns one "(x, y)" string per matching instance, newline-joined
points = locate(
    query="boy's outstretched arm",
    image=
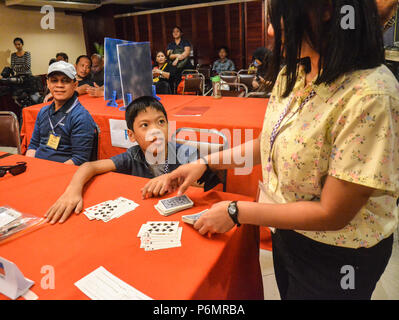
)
(71, 199)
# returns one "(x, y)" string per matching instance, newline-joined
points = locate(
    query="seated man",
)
(83, 67)
(153, 156)
(64, 131)
(97, 69)
(223, 63)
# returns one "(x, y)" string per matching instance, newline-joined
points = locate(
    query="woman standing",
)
(163, 74)
(328, 151)
(20, 60)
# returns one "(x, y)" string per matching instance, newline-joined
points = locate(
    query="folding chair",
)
(229, 76)
(235, 90)
(10, 139)
(246, 78)
(194, 83)
(204, 147)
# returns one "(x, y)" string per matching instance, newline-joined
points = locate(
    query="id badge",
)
(53, 141)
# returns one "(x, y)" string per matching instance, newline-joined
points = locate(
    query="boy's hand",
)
(181, 179)
(63, 207)
(158, 186)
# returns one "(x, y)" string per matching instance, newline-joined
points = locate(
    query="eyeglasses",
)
(19, 168)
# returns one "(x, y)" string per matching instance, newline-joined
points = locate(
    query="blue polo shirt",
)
(77, 131)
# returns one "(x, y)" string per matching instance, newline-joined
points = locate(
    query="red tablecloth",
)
(222, 267)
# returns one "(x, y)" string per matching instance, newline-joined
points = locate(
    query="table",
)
(225, 266)
(225, 113)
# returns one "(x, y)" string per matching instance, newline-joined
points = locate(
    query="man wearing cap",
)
(64, 130)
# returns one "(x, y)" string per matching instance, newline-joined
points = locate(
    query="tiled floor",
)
(387, 288)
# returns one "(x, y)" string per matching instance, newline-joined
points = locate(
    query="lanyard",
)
(62, 119)
(276, 128)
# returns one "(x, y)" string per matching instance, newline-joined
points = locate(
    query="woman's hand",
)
(181, 179)
(70, 201)
(156, 72)
(215, 220)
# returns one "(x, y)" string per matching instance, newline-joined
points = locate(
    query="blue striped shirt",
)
(77, 132)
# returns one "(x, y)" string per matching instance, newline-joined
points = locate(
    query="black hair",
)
(341, 49)
(140, 104)
(52, 60)
(225, 49)
(177, 27)
(260, 53)
(63, 55)
(18, 39)
(81, 57)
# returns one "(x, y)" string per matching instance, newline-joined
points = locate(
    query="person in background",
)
(261, 60)
(97, 76)
(20, 60)
(52, 60)
(97, 69)
(82, 67)
(163, 74)
(64, 130)
(178, 53)
(223, 63)
(61, 56)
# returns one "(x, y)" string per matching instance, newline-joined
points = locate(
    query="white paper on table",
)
(103, 285)
(119, 137)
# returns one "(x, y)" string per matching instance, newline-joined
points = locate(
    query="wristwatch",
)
(232, 210)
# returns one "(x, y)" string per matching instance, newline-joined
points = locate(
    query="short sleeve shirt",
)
(182, 44)
(348, 130)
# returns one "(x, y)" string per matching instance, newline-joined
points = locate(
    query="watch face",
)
(232, 209)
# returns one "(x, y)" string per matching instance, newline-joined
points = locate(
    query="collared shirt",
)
(77, 132)
(226, 65)
(348, 130)
(133, 162)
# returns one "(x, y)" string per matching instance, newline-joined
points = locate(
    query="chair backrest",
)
(189, 71)
(246, 79)
(205, 147)
(94, 150)
(194, 83)
(235, 90)
(205, 70)
(229, 76)
(9, 132)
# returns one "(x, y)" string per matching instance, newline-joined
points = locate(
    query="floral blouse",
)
(348, 130)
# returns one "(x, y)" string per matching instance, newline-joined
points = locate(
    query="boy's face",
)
(150, 131)
(61, 87)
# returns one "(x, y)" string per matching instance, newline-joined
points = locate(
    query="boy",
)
(153, 156)
(64, 130)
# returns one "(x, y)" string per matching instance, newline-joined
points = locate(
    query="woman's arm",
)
(186, 175)
(340, 202)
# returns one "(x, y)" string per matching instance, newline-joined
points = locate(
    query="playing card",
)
(111, 209)
(175, 202)
(155, 235)
(192, 218)
(172, 205)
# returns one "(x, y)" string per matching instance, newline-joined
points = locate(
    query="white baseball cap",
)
(63, 67)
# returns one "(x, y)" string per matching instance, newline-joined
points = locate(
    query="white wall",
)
(43, 45)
